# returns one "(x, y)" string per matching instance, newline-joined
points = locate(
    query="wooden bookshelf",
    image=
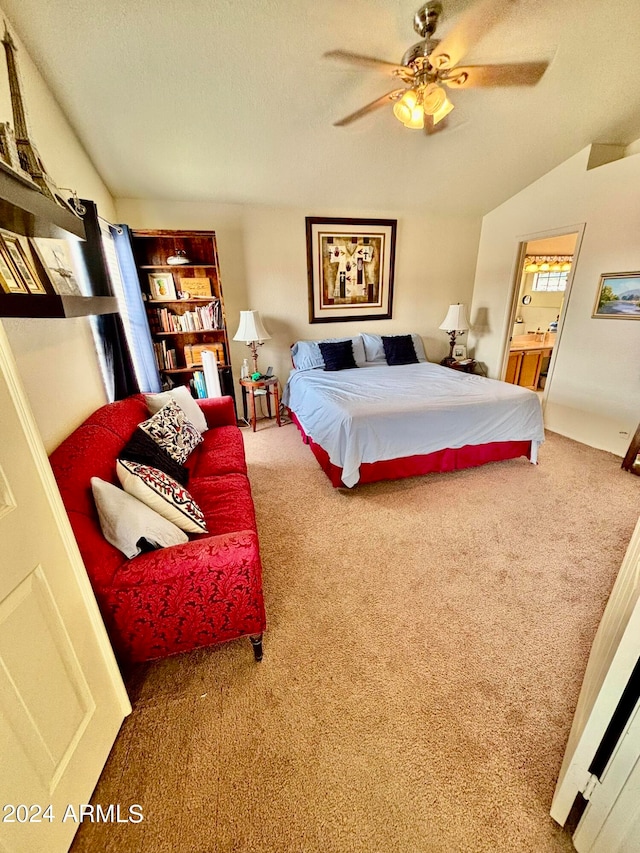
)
(151, 250)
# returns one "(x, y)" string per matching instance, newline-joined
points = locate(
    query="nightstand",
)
(260, 388)
(467, 365)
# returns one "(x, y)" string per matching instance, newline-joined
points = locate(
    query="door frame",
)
(523, 241)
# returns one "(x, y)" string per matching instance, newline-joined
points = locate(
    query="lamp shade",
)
(251, 328)
(456, 319)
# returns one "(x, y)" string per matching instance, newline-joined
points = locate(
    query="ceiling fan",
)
(420, 101)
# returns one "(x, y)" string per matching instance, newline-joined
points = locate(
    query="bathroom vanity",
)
(528, 358)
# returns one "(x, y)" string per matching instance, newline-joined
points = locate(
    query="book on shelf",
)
(203, 318)
(165, 357)
(199, 384)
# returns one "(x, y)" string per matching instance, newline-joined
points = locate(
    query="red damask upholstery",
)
(172, 600)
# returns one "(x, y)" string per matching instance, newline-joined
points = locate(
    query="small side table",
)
(466, 366)
(270, 387)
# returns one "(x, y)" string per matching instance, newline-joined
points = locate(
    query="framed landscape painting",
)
(350, 264)
(618, 296)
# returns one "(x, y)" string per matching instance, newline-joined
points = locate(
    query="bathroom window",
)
(550, 281)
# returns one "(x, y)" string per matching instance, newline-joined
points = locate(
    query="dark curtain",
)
(110, 328)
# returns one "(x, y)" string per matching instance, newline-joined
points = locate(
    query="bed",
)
(376, 421)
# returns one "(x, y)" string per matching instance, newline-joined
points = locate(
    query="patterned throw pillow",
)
(162, 493)
(170, 429)
(183, 398)
(142, 448)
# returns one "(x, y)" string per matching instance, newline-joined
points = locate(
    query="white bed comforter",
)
(379, 412)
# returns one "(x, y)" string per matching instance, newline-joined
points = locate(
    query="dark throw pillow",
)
(143, 449)
(337, 355)
(399, 349)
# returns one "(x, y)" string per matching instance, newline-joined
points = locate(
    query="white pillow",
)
(125, 521)
(162, 493)
(306, 355)
(183, 398)
(374, 350)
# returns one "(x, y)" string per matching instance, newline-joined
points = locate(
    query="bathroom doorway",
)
(540, 295)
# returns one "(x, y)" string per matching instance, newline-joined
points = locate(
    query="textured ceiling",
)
(232, 101)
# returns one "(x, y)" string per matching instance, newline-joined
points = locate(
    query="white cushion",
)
(125, 521)
(183, 398)
(162, 493)
(171, 431)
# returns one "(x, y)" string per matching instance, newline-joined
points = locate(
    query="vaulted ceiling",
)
(232, 100)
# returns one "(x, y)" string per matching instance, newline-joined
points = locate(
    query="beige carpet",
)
(425, 648)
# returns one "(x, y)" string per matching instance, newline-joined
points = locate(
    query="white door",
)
(611, 821)
(614, 655)
(62, 699)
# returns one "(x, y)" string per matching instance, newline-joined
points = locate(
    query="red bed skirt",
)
(449, 459)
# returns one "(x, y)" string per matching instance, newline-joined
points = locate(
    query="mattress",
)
(382, 412)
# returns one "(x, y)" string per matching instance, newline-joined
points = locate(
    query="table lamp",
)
(253, 333)
(454, 323)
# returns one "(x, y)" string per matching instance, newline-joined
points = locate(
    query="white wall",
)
(594, 396)
(263, 264)
(56, 358)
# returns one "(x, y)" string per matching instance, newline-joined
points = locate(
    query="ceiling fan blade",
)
(471, 27)
(478, 76)
(374, 105)
(370, 62)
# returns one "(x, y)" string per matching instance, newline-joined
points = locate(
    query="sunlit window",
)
(550, 281)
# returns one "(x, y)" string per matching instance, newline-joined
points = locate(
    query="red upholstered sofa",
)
(175, 599)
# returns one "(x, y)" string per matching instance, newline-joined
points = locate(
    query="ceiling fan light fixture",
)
(402, 111)
(433, 98)
(416, 122)
(435, 102)
(431, 64)
(409, 111)
(444, 111)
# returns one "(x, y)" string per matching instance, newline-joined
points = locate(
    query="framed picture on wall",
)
(162, 286)
(21, 262)
(350, 264)
(55, 257)
(10, 281)
(618, 296)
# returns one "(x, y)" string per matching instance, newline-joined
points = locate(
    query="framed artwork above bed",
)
(350, 265)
